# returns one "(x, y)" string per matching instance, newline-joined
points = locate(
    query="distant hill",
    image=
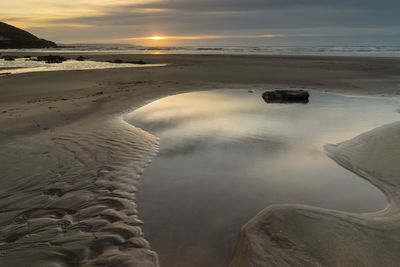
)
(13, 37)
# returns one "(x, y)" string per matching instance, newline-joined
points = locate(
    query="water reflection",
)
(226, 155)
(22, 65)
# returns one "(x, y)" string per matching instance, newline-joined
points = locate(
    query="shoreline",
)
(51, 118)
(365, 76)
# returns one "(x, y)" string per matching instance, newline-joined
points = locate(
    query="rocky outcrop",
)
(51, 59)
(120, 61)
(12, 37)
(286, 96)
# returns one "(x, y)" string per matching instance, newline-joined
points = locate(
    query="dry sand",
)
(70, 164)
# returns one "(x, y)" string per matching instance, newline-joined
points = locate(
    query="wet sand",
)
(70, 164)
(299, 235)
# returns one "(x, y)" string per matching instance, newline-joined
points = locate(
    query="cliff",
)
(13, 37)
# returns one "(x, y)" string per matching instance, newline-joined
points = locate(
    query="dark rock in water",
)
(286, 96)
(119, 61)
(80, 58)
(141, 62)
(9, 58)
(12, 37)
(51, 59)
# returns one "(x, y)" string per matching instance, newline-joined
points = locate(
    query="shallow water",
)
(22, 65)
(226, 155)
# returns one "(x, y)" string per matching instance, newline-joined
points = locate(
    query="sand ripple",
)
(69, 197)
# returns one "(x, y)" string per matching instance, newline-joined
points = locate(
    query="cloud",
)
(124, 19)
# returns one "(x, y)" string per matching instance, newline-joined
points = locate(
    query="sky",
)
(208, 22)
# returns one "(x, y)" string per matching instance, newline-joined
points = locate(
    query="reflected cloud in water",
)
(226, 155)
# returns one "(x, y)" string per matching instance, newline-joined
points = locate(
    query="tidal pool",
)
(23, 65)
(226, 155)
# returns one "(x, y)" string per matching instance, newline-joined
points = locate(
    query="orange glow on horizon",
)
(174, 37)
(156, 38)
(200, 37)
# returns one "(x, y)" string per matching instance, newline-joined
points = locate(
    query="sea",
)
(372, 51)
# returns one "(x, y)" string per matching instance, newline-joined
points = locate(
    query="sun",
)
(156, 37)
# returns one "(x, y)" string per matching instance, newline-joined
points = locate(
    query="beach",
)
(71, 164)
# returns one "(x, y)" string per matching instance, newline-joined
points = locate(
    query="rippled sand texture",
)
(76, 203)
(31, 232)
(299, 235)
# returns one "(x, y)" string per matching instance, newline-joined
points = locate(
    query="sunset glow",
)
(181, 22)
(156, 38)
(202, 37)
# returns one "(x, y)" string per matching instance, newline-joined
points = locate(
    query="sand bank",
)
(70, 163)
(298, 235)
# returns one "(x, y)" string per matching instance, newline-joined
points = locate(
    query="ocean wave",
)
(377, 51)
